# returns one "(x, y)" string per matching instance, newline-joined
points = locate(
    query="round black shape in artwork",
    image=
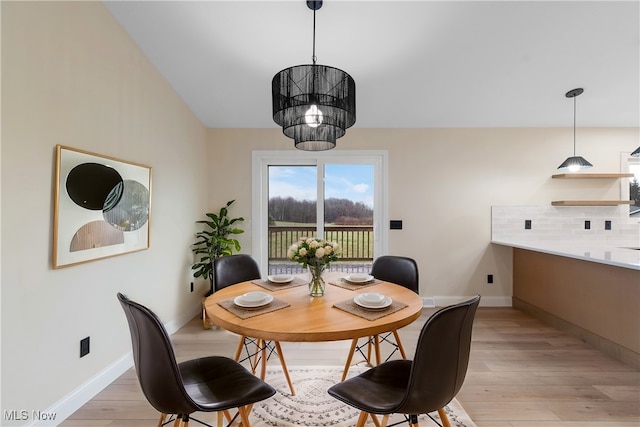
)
(91, 185)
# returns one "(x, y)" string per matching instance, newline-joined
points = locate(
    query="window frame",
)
(262, 159)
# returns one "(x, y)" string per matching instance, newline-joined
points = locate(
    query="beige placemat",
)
(273, 286)
(245, 313)
(351, 307)
(342, 283)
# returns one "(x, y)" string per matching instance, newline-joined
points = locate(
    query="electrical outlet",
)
(587, 225)
(84, 347)
(489, 278)
(527, 224)
(191, 286)
(607, 225)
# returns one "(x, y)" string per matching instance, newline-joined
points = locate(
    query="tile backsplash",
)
(597, 223)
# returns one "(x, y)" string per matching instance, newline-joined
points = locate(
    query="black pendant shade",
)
(575, 163)
(295, 90)
(313, 103)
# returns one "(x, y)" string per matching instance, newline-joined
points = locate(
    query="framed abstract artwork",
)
(102, 207)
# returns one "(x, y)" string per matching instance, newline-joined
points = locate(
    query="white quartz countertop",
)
(612, 253)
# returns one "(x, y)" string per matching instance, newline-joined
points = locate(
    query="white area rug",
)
(312, 405)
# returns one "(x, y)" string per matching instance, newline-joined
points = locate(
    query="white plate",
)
(359, 278)
(385, 303)
(371, 298)
(240, 302)
(280, 278)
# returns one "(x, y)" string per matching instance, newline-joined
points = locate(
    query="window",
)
(336, 196)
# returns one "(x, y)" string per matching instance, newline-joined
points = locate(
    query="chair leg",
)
(244, 416)
(399, 343)
(375, 420)
(362, 419)
(178, 421)
(206, 322)
(284, 366)
(354, 343)
(444, 418)
(163, 417)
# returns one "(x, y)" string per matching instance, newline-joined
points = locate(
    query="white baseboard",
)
(81, 395)
(485, 301)
(87, 391)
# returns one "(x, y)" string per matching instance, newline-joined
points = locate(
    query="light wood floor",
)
(522, 373)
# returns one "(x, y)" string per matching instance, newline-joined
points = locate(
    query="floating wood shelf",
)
(592, 175)
(591, 202)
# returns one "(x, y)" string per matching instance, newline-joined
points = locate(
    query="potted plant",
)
(215, 241)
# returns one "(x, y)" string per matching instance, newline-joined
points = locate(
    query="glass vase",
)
(316, 282)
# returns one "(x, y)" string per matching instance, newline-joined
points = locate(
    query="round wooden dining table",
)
(312, 319)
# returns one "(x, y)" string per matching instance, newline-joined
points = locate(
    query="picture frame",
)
(102, 207)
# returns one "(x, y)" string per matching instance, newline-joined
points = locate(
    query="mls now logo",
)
(23, 415)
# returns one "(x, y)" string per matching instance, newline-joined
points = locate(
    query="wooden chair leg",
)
(178, 421)
(362, 419)
(206, 322)
(385, 420)
(163, 417)
(399, 343)
(370, 342)
(375, 420)
(284, 366)
(244, 416)
(444, 418)
(354, 344)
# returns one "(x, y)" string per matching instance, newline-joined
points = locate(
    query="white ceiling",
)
(416, 64)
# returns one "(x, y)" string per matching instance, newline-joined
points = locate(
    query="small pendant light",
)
(574, 163)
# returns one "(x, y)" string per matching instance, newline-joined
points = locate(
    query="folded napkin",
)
(274, 286)
(370, 314)
(245, 313)
(352, 286)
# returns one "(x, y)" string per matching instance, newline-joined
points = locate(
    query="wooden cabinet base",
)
(599, 303)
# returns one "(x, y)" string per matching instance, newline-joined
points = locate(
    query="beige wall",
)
(71, 75)
(442, 184)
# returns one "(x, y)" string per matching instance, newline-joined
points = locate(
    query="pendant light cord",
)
(313, 57)
(574, 126)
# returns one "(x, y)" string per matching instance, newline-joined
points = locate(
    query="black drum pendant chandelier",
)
(314, 103)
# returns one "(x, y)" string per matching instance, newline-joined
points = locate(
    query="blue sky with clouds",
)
(342, 181)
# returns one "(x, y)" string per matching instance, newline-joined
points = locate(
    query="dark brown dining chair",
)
(232, 269)
(402, 271)
(207, 384)
(424, 385)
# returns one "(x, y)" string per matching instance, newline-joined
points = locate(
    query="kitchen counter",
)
(614, 253)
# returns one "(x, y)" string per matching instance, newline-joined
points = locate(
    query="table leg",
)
(376, 343)
(285, 371)
(399, 343)
(263, 349)
(354, 343)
